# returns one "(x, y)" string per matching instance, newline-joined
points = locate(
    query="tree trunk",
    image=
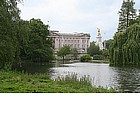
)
(63, 59)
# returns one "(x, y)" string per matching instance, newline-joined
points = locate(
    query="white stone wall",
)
(80, 41)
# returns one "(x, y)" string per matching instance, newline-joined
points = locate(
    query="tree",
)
(9, 18)
(65, 50)
(105, 54)
(127, 14)
(139, 13)
(74, 52)
(107, 43)
(125, 48)
(23, 38)
(93, 49)
(35, 44)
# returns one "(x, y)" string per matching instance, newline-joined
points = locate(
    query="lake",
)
(125, 79)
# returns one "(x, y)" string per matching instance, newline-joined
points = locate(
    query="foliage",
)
(137, 20)
(9, 17)
(105, 54)
(35, 44)
(21, 40)
(74, 53)
(125, 48)
(15, 82)
(93, 49)
(127, 14)
(98, 57)
(98, 54)
(65, 50)
(107, 43)
(85, 58)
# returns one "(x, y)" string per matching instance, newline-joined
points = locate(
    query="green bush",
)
(98, 57)
(85, 58)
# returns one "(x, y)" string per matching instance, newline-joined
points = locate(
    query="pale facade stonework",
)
(80, 41)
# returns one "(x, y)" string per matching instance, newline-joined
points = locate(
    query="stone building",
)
(80, 41)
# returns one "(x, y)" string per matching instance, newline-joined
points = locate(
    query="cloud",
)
(75, 15)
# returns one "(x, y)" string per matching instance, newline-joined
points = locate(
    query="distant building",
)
(80, 41)
(99, 40)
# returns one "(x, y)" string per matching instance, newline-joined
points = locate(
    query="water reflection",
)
(33, 68)
(101, 74)
(128, 79)
(125, 79)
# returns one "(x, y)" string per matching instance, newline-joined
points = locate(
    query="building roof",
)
(57, 33)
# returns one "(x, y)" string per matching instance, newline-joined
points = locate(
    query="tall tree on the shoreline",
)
(9, 17)
(127, 14)
(22, 40)
(125, 47)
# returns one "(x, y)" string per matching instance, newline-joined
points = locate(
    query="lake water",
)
(125, 79)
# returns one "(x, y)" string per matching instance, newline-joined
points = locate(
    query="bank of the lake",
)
(101, 61)
(20, 82)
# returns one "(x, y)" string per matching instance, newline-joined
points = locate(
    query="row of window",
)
(70, 38)
(74, 45)
(83, 41)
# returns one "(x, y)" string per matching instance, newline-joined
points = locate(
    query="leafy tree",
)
(93, 49)
(74, 52)
(19, 39)
(9, 17)
(137, 20)
(127, 14)
(35, 44)
(105, 54)
(65, 50)
(107, 43)
(23, 38)
(125, 48)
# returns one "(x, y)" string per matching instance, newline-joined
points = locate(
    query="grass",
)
(16, 82)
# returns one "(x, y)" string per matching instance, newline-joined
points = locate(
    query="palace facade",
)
(80, 41)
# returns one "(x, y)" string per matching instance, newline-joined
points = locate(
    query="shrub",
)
(85, 58)
(98, 57)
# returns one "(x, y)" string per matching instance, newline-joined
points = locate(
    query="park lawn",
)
(20, 82)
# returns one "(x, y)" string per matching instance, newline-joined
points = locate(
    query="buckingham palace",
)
(80, 41)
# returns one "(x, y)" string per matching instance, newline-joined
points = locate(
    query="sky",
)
(81, 16)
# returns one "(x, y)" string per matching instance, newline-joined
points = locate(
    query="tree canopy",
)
(65, 50)
(9, 18)
(93, 49)
(22, 40)
(127, 14)
(37, 46)
(125, 48)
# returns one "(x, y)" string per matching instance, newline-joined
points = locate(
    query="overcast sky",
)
(69, 16)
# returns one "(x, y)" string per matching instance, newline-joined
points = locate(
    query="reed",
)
(20, 82)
